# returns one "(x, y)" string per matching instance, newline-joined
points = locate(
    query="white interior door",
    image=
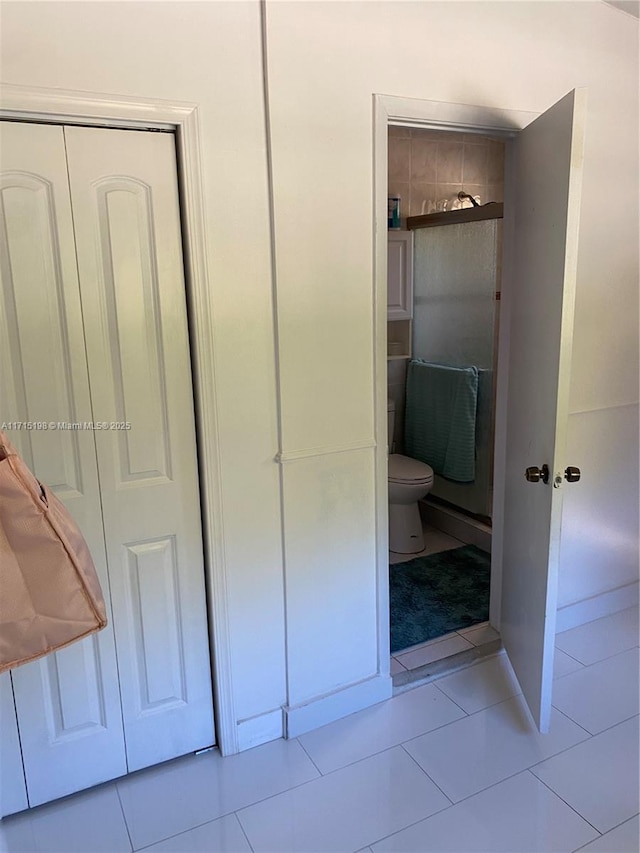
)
(68, 703)
(544, 171)
(125, 202)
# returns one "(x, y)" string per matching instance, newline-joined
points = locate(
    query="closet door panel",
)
(13, 790)
(125, 200)
(68, 703)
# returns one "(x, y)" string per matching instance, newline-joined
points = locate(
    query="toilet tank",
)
(391, 416)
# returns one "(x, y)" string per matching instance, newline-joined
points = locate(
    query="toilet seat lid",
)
(403, 469)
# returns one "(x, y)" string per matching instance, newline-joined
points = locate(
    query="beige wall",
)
(428, 168)
(325, 61)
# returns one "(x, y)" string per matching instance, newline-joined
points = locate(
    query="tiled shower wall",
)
(428, 167)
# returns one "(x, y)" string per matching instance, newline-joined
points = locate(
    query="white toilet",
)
(409, 482)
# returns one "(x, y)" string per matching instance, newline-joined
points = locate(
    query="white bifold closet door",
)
(124, 195)
(96, 331)
(68, 703)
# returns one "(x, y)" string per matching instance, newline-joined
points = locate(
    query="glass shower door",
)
(456, 282)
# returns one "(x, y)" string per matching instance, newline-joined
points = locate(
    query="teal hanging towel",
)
(440, 418)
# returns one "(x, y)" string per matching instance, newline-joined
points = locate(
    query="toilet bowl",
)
(409, 481)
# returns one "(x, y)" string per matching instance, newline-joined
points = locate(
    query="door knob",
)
(571, 474)
(534, 474)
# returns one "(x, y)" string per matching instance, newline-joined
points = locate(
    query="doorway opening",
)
(544, 160)
(445, 201)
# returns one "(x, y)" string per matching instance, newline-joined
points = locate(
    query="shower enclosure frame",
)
(477, 497)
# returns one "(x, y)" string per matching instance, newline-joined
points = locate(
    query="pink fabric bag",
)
(50, 594)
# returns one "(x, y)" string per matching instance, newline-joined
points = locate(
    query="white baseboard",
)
(325, 709)
(260, 729)
(572, 615)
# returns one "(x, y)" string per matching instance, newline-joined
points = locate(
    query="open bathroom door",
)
(543, 179)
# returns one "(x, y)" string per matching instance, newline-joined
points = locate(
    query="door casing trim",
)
(57, 106)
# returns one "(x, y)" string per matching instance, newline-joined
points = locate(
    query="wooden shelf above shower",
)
(452, 217)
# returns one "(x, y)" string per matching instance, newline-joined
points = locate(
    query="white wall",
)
(209, 54)
(325, 60)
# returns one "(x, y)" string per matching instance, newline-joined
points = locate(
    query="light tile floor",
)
(443, 647)
(454, 765)
(434, 542)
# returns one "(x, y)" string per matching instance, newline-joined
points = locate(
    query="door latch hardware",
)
(535, 475)
(571, 474)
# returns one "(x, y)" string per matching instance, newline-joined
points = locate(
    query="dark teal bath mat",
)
(434, 595)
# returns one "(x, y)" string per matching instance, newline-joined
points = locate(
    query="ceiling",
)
(632, 7)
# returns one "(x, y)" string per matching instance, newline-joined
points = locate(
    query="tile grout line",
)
(302, 746)
(617, 826)
(124, 816)
(575, 722)
(234, 811)
(532, 767)
(597, 734)
(364, 758)
(409, 825)
(428, 777)
(558, 649)
(506, 779)
(596, 662)
(573, 809)
(422, 681)
(528, 768)
(415, 822)
(399, 743)
(437, 660)
(562, 751)
(567, 674)
(426, 644)
(316, 779)
(619, 723)
(392, 746)
(182, 832)
(360, 760)
(191, 828)
(476, 626)
(583, 666)
(244, 832)
(486, 707)
(466, 713)
(592, 622)
(482, 791)
(444, 638)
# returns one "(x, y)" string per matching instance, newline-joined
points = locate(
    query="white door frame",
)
(67, 107)
(434, 115)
